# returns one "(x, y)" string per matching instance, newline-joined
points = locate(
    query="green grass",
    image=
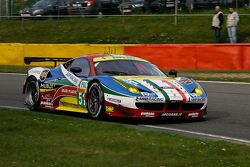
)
(42, 139)
(117, 30)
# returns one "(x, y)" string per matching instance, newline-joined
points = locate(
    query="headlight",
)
(134, 90)
(130, 88)
(198, 91)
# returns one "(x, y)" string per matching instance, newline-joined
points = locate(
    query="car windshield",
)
(44, 3)
(127, 68)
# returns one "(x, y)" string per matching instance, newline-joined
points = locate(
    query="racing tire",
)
(32, 94)
(95, 101)
(204, 115)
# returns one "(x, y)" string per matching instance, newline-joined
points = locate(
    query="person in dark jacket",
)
(217, 23)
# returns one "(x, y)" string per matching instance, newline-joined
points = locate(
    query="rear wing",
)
(29, 60)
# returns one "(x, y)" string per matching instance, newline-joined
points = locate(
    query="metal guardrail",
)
(100, 16)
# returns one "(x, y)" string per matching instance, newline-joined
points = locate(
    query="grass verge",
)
(118, 30)
(42, 139)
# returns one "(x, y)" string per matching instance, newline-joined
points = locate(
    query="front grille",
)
(191, 106)
(150, 106)
(173, 106)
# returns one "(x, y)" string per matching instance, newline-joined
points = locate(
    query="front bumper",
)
(181, 110)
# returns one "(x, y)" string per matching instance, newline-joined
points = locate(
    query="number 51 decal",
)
(80, 93)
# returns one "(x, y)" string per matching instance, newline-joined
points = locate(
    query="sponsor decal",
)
(114, 100)
(194, 114)
(134, 83)
(146, 94)
(194, 95)
(70, 76)
(81, 93)
(68, 91)
(46, 103)
(150, 99)
(185, 81)
(44, 74)
(65, 91)
(174, 114)
(156, 87)
(47, 86)
(83, 84)
(46, 100)
(197, 99)
(147, 114)
(166, 87)
(109, 109)
(175, 86)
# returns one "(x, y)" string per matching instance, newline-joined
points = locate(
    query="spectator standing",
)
(217, 23)
(232, 22)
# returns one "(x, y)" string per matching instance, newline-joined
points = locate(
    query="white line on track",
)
(17, 74)
(11, 107)
(199, 134)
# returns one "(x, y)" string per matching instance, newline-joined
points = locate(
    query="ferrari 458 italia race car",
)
(113, 85)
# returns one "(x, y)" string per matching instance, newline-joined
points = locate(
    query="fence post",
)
(176, 12)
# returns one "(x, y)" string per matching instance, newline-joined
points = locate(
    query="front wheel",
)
(32, 94)
(95, 101)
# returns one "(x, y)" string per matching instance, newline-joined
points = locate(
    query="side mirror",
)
(75, 70)
(172, 72)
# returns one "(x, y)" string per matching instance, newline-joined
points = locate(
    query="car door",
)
(73, 83)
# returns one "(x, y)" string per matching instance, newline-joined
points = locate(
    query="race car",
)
(113, 85)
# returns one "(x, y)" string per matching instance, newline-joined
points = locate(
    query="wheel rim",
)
(95, 100)
(31, 93)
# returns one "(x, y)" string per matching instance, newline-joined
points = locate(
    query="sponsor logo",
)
(197, 99)
(44, 74)
(83, 84)
(65, 91)
(166, 87)
(72, 78)
(171, 114)
(68, 91)
(109, 108)
(146, 94)
(194, 114)
(147, 114)
(114, 100)
(151, 99)
(46, 103)
(47, 86)
(185, 81)
(131, 82)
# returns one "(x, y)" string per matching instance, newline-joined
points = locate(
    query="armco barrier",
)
(195, 56)
(166, 56)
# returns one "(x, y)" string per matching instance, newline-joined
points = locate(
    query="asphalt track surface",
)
(228, 109)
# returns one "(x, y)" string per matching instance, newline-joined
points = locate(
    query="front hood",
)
(167, 88)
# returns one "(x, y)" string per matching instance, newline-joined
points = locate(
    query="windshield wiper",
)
(118, 73)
